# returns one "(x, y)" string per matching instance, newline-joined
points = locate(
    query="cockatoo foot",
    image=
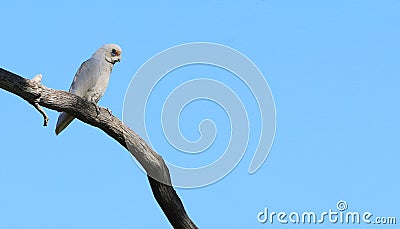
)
(97, 109)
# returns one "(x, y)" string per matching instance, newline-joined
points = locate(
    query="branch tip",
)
(37, 78)
(41, 111)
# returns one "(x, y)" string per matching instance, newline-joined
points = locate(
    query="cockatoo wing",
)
(84, 79)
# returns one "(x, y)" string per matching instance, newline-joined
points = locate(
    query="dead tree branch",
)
(157, 172)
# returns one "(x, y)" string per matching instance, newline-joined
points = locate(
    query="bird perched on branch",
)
(91, 79)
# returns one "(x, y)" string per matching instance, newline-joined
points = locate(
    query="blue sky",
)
(332, 66)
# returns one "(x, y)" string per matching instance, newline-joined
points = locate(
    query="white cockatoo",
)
(91, 79)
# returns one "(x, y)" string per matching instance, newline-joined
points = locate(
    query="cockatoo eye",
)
(114, 52)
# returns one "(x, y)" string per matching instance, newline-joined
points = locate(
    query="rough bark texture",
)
(157, 172)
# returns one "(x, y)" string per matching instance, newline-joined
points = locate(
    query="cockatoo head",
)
(112, 52)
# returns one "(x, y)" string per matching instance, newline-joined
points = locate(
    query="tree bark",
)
(157, 172)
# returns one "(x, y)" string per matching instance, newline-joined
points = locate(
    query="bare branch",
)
(157, 172)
